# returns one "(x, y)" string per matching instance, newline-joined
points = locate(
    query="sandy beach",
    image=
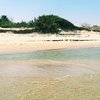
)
(75, 78)
(10, 42)
(49, 50)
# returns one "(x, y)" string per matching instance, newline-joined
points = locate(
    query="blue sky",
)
(76, 11)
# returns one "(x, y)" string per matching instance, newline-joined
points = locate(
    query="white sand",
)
(10, 42)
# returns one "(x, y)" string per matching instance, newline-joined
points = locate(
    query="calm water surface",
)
(17, 70)
(82, 60)
(62, 54)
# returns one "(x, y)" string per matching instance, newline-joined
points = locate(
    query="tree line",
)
(5, 22)
(42, 24)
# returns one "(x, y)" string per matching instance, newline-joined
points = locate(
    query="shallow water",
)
(22, 74)
(90, 53)
(58, 63)
(46, 70)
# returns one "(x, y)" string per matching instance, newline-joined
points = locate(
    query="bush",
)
(52, 24)
(43, 24)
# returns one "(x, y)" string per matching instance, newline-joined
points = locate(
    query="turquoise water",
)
(62, 54)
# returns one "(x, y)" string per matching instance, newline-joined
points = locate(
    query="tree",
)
(46, 24)
(42, 24)
(31, 23)
(4, 18)
(52, 24)
(5, 22)
(21, 24)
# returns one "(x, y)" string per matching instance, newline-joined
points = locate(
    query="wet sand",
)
(47, 68)
(55, 80)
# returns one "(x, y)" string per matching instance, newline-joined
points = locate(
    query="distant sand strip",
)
(12, 43)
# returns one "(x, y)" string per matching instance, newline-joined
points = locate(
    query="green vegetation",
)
(44, 24)
(5, 22)
(52, 24)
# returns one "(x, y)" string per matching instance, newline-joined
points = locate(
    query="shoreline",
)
(18, 43)
(38, 46)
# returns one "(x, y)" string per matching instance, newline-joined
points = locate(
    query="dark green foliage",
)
(4, 18)
(52, 24)
(5, 22)
(42, 24)
(21, 24)
(31, 24)
(64, 24)
(46, 24)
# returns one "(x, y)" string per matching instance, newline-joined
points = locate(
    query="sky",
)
(76, 11)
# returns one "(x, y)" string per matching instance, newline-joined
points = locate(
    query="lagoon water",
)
(62, 54)
(19, 72)
(51, 62)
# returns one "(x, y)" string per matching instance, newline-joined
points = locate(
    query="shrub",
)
(52, 24)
